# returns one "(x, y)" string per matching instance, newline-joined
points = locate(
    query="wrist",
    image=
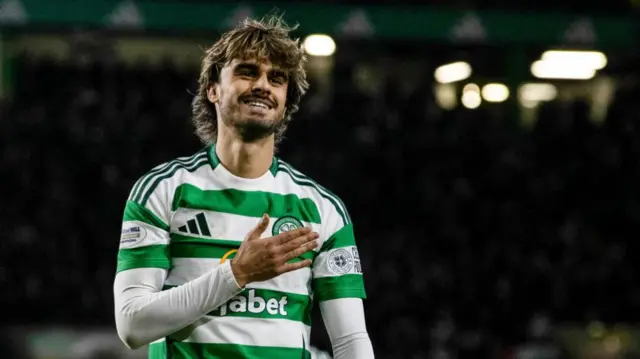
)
(240, 278)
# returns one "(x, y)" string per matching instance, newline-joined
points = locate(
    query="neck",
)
(244, 159)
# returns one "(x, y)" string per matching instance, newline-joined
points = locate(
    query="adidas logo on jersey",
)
(255, 304)
(197, 225)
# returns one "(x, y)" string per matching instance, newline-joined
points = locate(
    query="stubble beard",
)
(249, 130)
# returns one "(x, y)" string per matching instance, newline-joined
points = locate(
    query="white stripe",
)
(293, 282)
(182, 162)
(325, 264)
(247, 331)
(187, 269)
(148, 235)
(226, 226)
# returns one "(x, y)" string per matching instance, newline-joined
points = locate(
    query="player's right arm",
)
(144, 313)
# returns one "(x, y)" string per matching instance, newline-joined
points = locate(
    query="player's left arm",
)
(338, 286)
(344, 319)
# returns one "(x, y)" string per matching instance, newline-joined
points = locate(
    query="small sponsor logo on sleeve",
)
(356, 260)
(131, 235)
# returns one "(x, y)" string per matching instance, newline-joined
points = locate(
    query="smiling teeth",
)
(257, 104)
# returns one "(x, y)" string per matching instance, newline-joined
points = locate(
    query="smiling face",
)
(250, 97)
(256, 61)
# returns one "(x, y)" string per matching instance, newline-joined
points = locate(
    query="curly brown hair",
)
(268, 37)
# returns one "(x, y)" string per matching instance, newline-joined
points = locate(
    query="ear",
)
(212, 94)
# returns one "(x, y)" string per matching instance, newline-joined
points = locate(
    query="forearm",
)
(347, 329)
(144, 313)
(354, 346)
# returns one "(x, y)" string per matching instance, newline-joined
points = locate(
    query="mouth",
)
(258, 103)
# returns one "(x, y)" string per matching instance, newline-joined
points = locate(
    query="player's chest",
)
(208, 226)
(230, 229)
(201, 240)
(228, 215)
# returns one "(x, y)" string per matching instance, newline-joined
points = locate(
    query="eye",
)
(246, 72)
(279, 79)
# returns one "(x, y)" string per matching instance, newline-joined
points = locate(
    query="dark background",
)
(480, 237)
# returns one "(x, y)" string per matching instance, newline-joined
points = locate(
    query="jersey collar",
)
(214, 161)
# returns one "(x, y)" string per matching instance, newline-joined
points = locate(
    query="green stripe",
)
(198, 250)
(136, 193)
(135, 212)
(158, 350)
(188, 247)
(344, 286)
(266, 304)
(179, 237)
(155, 256)
(183, 350)
(274, 166)
(344, 237)
(245, 203)
(213, 156)
(190, 168)
(309, 183)
(136, 186)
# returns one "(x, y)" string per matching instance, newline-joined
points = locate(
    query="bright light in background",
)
(453, 72)
(319, 45)
(529, 104)
(594, 59)
(446, 96)
(471, 96)
(538, 92)
(569, 65)
(531, 94)
(562, 70)
(495, 92)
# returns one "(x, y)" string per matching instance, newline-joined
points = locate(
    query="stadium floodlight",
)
(453, 72)
(495, 92)
(594, 59)
(471, 98)
(562, 70)
(319, 45)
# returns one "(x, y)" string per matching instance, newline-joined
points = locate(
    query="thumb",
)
(259, 228)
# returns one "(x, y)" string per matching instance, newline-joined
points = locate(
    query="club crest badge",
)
(285, 224)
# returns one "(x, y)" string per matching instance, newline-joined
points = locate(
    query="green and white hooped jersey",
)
(191, 214)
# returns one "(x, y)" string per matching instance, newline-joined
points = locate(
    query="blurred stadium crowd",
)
(476, 234)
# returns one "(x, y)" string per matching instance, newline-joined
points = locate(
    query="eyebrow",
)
(252, 66)
(245, 66)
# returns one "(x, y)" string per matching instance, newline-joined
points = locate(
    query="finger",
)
(259, 228)
(297, 252)
(290, 267)
(298, 242)
(285, 237)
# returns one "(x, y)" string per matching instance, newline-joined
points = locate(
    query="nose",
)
(261, 84)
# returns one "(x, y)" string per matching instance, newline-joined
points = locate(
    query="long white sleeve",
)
(144, 313)
(346, 326)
